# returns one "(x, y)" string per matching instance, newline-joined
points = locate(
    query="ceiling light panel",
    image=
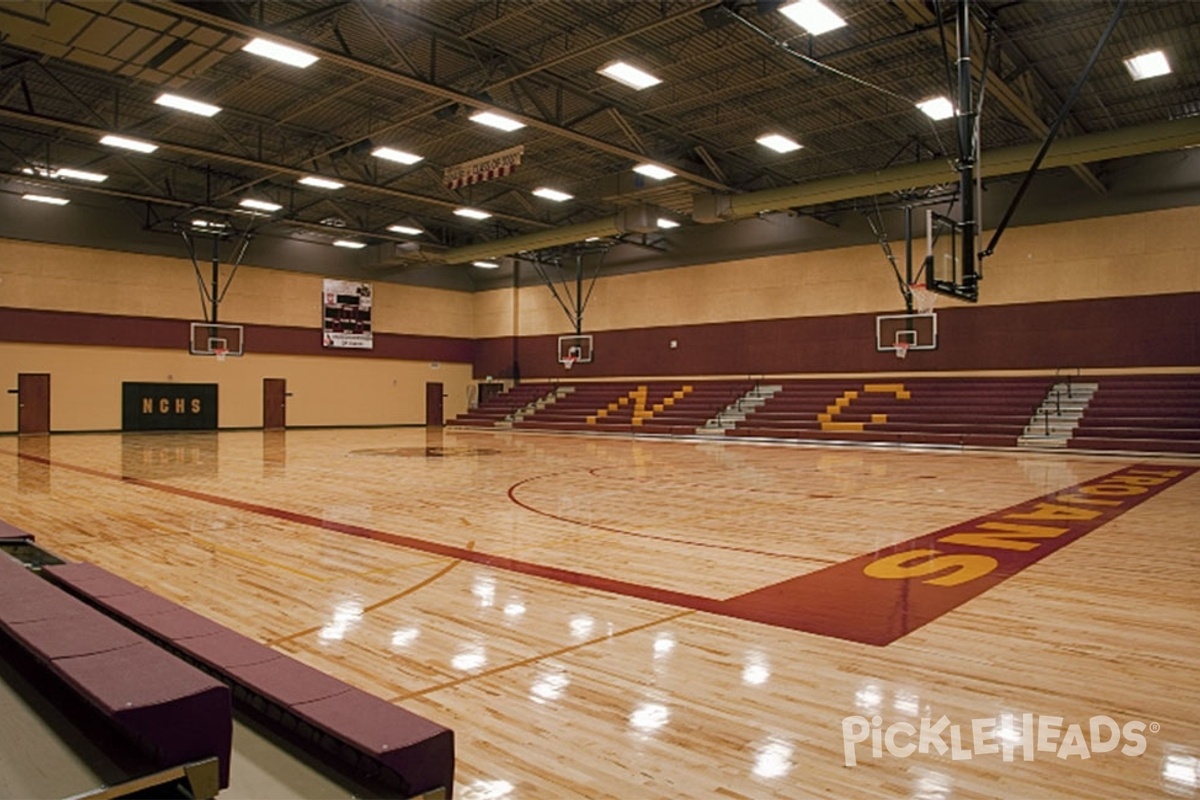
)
(281, 53)
(392, 154)
(552, 194)
(406, 230)
(320, 183)
(813, 15)
(626, 73)
(654, 171)
(125, 143)
(471, 213)
(485, 264)
(1148, 65)
(349, 244)
(937, 108)
(779, 143)
(47, 199)
(259, 205)
(498, 121)
(188, 105)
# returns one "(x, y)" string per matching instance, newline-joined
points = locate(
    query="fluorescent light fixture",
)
(471, 213)
(663, 222)
(392, 154)
(66, 172)
(493, 120)
(654, 171)
(813, 15)
(280, 52)
(778, 143)
(320, 183)
(592, 239)
(43, 198)
(185, 104)
(349, 244)
(112, 140)
(407, 230)
(1148, 65)
(937, 108)
(485, 264)
(259, 205)
(629, 75)
(552, 194)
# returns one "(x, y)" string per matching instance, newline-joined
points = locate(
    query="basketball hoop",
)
(569, 361)
(923, 299)
(901, 349)
(220, 353)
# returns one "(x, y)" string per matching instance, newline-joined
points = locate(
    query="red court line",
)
(874, 599)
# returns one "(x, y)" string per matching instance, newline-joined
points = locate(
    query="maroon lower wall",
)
(63, 327)
(1119, 332)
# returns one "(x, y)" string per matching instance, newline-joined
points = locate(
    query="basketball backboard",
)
(209, 338)
(905, 332)
(576, 349)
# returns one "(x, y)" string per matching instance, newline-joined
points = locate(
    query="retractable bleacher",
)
(1153, 413)
(977, 412)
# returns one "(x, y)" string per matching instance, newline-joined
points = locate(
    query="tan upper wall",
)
(1137, 254)
(66, 278)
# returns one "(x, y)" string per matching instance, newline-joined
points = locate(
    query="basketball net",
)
(923, 299)
(220, 353)
(901, 349)
(569, 361)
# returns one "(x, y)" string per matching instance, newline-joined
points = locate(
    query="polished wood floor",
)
(560, 602)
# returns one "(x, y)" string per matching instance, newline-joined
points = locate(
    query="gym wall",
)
(1108, 292)
(96, 318)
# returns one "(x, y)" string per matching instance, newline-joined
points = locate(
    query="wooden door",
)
(33, 403)
(434, 412)
(274, 403)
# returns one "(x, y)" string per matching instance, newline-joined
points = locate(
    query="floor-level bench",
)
(179, 719)
(380, 742)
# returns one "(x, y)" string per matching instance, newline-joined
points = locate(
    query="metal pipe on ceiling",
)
(1138, 140)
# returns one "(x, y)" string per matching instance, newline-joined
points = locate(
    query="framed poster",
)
(347, 306)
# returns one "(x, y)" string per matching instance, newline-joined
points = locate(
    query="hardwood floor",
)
(595, 617)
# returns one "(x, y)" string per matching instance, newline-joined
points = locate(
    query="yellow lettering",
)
(1052, 511)
(195, 405)
(1113, 489)
(180, 405)
(1085, 501)
(147, 405)
(164, 406)
(966, 567)
(1135, 480)
(1008, 537)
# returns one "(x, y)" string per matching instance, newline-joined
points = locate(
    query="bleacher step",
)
(1054, 422)
(739, 409)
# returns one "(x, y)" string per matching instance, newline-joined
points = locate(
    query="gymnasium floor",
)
(593, 619)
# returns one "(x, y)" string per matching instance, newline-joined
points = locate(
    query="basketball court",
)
(570, 605)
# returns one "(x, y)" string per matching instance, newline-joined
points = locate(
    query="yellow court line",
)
(532, 659)
(415, 587)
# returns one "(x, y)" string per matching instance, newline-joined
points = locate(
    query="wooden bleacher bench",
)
(176, 717)
(379, 741)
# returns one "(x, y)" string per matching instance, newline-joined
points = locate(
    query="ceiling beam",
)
(210, 155)
(389, 76)
(1139, 140)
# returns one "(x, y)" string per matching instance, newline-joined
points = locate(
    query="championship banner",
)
(483, 169)
(347, 320)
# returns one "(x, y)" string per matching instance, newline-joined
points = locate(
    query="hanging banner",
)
(347, 320)
(483, 169)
